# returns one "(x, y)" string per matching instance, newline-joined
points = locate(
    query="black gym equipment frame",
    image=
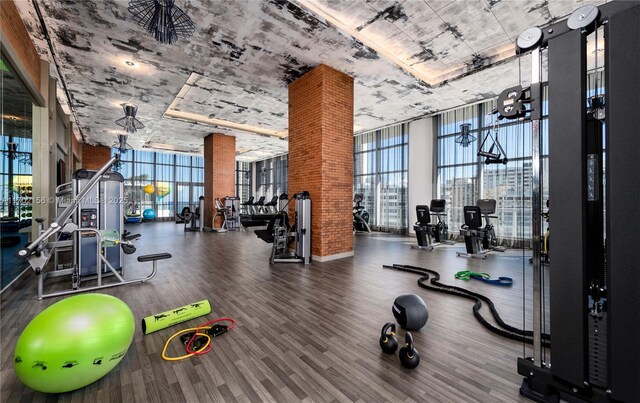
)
(595, 352)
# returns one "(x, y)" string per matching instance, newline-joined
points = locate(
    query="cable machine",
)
(93, 218)
(594, 278)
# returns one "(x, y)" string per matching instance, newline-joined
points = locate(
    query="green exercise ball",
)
(73, 343)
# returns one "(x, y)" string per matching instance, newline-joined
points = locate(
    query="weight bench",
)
(42, 276)
(153, 258)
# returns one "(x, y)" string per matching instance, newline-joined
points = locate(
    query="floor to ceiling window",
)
(16, 184)
(380, 174)
(243, 180)
(272, 177)
(177, 182)
(464, 177)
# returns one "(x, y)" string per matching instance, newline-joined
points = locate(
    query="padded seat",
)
(220, 207)
(281, 219)
(184, 214)
(472, 222)
(424, 218)
(155, 256)
(437, 206)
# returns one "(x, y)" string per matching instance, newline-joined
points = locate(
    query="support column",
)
(53, 143)
(41, 175)
(421, 159)
(219, 171)
(321, 157)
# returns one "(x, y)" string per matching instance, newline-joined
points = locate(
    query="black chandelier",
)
(162, 18)
(465, 138)
(129, 121)
(122, 147)
(121, 144)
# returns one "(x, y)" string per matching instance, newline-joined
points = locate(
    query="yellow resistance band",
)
(182, 357)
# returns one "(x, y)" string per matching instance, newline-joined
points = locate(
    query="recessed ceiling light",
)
(129, 63)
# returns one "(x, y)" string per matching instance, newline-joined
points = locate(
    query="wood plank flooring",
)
(304, 333)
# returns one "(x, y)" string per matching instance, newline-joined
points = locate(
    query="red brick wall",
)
(219, 171)
(94, 157)
(321, 155)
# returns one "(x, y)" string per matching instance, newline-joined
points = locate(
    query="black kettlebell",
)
(388, 341)
(409, 357)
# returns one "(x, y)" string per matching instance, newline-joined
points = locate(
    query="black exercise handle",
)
(503, 161)
(155, 256)
(130, 237)
(388, 327)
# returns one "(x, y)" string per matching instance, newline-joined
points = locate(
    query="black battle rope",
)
(507, 330)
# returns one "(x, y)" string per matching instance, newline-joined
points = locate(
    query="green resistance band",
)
(466, 275)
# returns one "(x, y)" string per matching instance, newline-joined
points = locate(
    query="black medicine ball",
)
(410, 312)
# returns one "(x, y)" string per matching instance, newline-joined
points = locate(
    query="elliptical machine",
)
(360, 215)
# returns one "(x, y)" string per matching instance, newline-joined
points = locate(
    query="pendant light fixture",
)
(465, 137)
(162, 18)
(129, 121)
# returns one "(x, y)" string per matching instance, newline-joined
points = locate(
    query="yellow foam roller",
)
(172, 317)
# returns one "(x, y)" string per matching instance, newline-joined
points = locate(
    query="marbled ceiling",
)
(409, 58)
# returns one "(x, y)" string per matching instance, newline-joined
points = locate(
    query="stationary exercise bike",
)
(490, 240)
(478, 238)
(360, 215)
(426, 232)
(441, 233)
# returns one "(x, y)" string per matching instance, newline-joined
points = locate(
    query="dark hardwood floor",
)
(304, 333)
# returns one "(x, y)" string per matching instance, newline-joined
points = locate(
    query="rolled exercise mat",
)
(166, 319)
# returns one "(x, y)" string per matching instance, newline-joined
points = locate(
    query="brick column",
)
(94, 157)
(321, 157)
(219, 171)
